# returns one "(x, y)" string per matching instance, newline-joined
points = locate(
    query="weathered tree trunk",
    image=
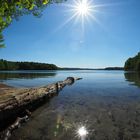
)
(16, 102)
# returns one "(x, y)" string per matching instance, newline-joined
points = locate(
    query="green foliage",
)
(13, 9)
(1, 40)
(8, 65)
(133, 64)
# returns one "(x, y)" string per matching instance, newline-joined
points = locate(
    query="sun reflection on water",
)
(82, 132)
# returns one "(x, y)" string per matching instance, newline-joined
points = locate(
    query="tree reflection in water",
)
(25, 75)
(133, 77)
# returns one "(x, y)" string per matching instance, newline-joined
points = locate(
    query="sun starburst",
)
(82, 8)
(81, 11)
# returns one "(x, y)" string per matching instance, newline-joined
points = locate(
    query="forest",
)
(9, 65)
(133, 63)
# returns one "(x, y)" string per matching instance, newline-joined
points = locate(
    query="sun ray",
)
(82, 11)
(85, 11)
(67, 21)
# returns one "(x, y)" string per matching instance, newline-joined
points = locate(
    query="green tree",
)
(133, 63)
(1, 40)
(2, 66)
(9, 65)
(13, 9)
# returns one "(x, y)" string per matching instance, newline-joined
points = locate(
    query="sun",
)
(81, 11)
(82, 8)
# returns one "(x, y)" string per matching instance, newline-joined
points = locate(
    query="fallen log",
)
(16, 102)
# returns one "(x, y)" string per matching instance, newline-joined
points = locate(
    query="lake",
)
(106, 103)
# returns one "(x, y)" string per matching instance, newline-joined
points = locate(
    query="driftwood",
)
(16, 103)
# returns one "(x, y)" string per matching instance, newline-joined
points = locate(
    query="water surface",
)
(107, 103)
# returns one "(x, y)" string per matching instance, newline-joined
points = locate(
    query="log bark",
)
(16, 102)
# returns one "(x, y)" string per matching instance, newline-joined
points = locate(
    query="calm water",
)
(107, 103)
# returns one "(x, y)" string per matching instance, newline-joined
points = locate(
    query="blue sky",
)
(109, 42)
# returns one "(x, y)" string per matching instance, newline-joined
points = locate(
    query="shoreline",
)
(17, 104)
(2, 85)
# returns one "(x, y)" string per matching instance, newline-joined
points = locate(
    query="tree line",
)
(9, 65)
(133, 63)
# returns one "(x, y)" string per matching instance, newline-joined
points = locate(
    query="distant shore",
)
(11, 65)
